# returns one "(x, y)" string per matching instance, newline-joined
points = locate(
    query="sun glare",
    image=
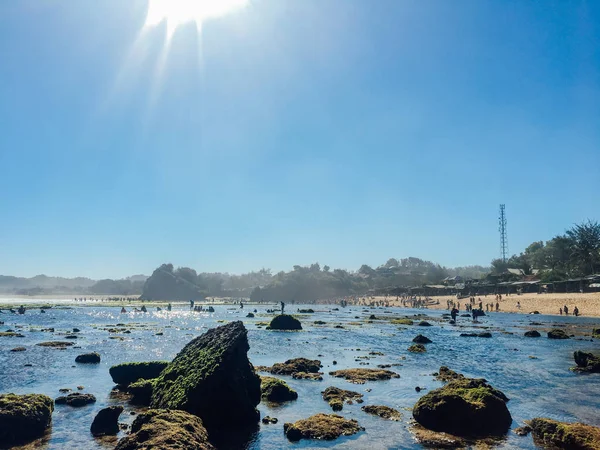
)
(178, 12)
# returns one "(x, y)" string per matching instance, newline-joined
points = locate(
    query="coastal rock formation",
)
(88, 358)
(420, 339)
(141, 392)
(321, 426)
(551, 434)
(24, 418)
(384, 412)
(417, 348)
(168, 284)
(213, 379)
(75, 399)
(285, 322)
(296, 365)
(360, 376)
(557, 334)
(336, 397)
(586, 362)
(464, 407)
(276, 390)
(166, 430)
(106, 421)
(532, 333)
(127, 373)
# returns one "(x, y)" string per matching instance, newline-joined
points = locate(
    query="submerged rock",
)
(557, 334)
(213, 379)
(127, 373)
(10, 334)
(586, 362)
(402, 322)
(76, 400)
(417, 348)
(88, 358)
(55, 344)
(484, 334)
(106, 421)
(420, 339)
(424, 323)
(321, 426)
(296, 365)
(18, 349)
(308, 376)
(532, 333)
(569, 436)
(24, 418)
(336, 397)
(360, 376)
(276, 390)
(284, 322)
(384, 412)
(464, 407)
(166, 430)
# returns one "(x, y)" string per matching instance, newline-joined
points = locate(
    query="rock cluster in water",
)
(336, 397)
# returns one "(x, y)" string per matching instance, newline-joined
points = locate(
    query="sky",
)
(293, 131)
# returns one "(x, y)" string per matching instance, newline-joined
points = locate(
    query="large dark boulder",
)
(213, 379)
(166, 430)
(554, 435)
(24, 418)
(106, 421)
(420, 339)
(127, 373)
(557, 334)
(586, 362)
(88, 358)
(464, 407)
(285, 322)
(276, 390)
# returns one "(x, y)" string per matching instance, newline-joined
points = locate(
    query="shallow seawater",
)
(543, 386)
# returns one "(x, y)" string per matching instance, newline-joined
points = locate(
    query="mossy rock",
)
(88, 358)
(308, 376)
(557, 334)
(417, 348)
(126, 373)
(18, 349)
(285, 322)
(384, 412)
(402, 322)
(532, 333)
(336, 397)
(321, 426)
(464, 407)
(10, 334)
(596, 332)
(55, 344)
(141, 392)
(420, 339)
(551, 434)
(445, 374)
(24, 418)
(586, 362)
(296, 365)
(360, 376)
(276, 390)
(166, 430)
(213, 379)
(76, 400)
(106, 422)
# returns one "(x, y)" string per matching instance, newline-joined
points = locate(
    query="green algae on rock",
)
(24, 418)
(336, 397)
(384, 412)
(321, 426)
(586, 362)
(557, 334)
(276, 390)
(402, 322)
(165, 430)
(213, 379)
(296, 365)
(464, 407)
(285, 322)
(446, 375)
(360, 376)
(551, 434)
(75, 400)
(141, 392)
(126, 373)
(417, 348)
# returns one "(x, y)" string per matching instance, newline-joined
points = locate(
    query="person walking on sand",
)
(560, 311)
(566, 310)
(576, 311)
(497, 306)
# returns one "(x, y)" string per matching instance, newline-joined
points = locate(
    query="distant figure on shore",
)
(241, 305)
(191, 304)
(123, 310)
(518, 305)
(566, 310)
(497, 306)
(282, 307)
(158, 308)
(576, 311)
(453, 313)
(21, 309)
(169, 307)
(144, 308)
(560, 311)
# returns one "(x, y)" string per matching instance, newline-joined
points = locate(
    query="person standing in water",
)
(282, 307)
(576, 311)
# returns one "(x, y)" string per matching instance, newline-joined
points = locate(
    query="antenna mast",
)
(502, 230)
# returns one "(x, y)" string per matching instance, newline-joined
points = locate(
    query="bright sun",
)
(178, 12)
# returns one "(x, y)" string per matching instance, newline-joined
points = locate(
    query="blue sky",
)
(293, 131)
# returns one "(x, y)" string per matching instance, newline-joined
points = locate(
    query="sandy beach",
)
(588, 303)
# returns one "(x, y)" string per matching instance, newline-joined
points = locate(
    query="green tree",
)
(586, 246)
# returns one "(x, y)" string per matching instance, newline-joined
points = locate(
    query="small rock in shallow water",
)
(18, 349)
(321, 426)
(106, 421)
(76, 400)
(384, 412)
(269, 420)
(88, 358)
